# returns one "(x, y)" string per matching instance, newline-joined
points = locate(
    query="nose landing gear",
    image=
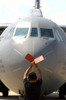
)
(62, 91)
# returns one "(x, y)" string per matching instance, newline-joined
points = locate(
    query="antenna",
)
(37, 4)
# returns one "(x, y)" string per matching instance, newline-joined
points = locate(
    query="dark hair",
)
(32, 76)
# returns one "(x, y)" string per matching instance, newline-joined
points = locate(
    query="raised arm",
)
(38, 70)
(28, 70)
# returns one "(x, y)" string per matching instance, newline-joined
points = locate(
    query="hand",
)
(32, 63)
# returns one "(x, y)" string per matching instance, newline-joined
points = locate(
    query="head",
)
(32, 77)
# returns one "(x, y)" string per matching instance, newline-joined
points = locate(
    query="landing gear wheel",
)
(5, 93)
(61, 95)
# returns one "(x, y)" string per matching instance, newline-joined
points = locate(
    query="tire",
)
(61, 95)
(5, 93)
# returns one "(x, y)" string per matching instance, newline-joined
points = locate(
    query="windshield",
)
(34, 32)
(21, 32)
(46, 32)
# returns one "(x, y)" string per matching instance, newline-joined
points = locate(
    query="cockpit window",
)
(34, 32)
(46, 32)
(10, 33)
(21, 32)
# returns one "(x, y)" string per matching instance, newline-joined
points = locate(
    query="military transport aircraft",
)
(38, 36)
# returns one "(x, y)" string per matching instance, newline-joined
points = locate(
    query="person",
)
(32, 85)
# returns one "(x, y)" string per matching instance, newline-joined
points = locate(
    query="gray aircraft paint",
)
(13, 50)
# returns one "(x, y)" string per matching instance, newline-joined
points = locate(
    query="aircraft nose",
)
(37, 47)
(41, 47)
